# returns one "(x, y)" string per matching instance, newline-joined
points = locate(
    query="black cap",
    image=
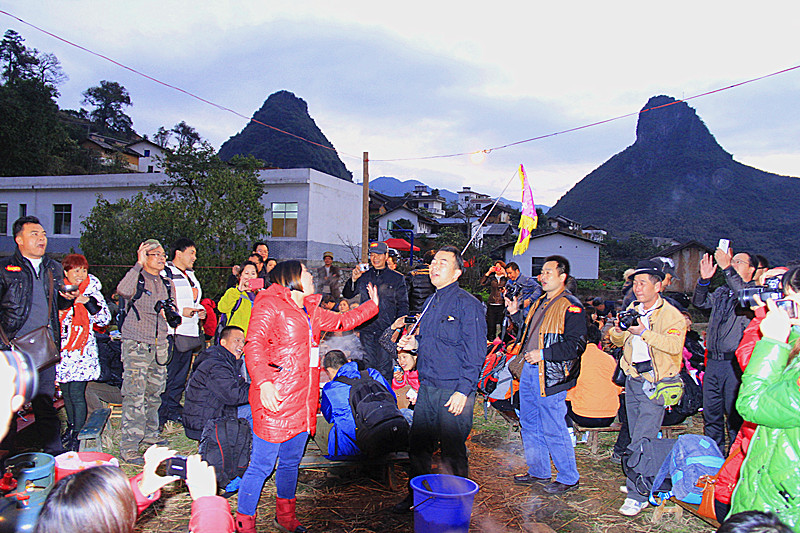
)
(648, 267)
(378, 248)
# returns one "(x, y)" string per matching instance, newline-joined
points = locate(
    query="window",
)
(284, 219)
(150, 168)
(3, 219)
(62, 219)
(23, 210)
(536, 265)
(147, 153)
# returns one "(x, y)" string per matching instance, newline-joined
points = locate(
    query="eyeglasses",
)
(159, 254)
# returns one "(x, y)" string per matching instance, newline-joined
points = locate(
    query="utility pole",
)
(365, 210)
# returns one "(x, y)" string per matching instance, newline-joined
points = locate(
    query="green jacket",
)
(770, 397)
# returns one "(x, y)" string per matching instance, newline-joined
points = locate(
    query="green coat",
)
(770, 397)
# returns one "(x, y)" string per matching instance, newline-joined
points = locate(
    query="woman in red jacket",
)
(282, 357)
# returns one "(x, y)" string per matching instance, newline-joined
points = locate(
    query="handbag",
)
(708, 484)
(184, 343)
(619, 376)
(39, 343)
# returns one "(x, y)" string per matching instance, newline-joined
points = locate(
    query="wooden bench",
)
(593, 439)
(91, 435)
(677, 511)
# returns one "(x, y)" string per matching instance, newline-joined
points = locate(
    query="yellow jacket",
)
(664, 340)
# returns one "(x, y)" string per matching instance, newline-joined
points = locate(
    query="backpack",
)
(691, 457)
(224, 318)
(380, 426)
(494, 363)
(225, 444)
(692, 399)
(643, 464)
(125, 307)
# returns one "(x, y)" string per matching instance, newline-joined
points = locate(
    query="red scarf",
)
(80, 328)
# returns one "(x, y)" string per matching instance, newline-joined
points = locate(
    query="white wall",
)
(583, 256)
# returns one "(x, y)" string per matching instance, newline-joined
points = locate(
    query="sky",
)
(418, 79)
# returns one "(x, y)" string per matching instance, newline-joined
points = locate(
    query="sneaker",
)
(404, 506)
(623, 489)
(631, 507)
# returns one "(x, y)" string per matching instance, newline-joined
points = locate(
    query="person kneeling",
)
(215, 387)
(337, 399)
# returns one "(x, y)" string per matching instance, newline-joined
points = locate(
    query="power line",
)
(173, 87)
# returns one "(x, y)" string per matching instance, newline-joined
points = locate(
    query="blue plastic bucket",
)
(442, 503)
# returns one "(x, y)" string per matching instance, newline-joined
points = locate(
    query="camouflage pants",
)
(143, 381)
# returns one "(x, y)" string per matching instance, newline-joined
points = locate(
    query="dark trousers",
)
(433, 423)
(720, 388)
(586, 422)
(671, 418)
(75, 403)
(100, 394)
(376, 357)
(177, 372)
(494, 318)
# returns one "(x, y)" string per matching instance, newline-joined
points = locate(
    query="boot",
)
(66, 437)
(74, 443)
(285, 519)
(245, 523)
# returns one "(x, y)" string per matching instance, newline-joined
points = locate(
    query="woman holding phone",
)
(282, 357)
(237, 302)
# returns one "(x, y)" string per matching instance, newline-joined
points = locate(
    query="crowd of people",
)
(258, 354)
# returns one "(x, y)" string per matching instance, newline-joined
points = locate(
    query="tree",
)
(109, 99)
(216, 204)
(162, 137)
(187, 135)
(18, 61)
(403, 223)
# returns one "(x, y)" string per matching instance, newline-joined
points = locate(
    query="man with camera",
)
(525, 288)
(29, 292)
(725, 329)
(651, 332)
(185, 339)
(150, 311)
(394, 304)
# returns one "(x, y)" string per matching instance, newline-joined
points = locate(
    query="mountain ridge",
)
(678, 180)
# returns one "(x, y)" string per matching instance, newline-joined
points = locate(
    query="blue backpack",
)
(691, 457)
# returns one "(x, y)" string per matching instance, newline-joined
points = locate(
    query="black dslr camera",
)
(771, 290)
(513, 291)
(173, 318)
(628, 318)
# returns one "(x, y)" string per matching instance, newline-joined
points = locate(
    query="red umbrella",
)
(400, 244)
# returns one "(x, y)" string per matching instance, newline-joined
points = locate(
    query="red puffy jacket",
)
(277, 350)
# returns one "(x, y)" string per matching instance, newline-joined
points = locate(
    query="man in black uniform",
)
(394, 304)
(451, 344)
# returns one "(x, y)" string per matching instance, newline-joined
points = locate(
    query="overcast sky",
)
(415, 79)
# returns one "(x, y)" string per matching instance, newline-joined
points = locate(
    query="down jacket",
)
(278, 349)
(770, 397)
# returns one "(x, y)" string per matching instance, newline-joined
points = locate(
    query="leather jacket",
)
(16, 293)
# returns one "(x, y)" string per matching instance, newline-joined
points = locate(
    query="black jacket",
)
(392, 294)
(215, 389)
(728, 319)
(452, 340)
(16, 292)
(419, 288)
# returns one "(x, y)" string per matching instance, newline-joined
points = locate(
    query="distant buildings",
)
(137, 156)
(308, 212)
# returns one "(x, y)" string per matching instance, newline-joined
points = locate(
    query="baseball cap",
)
(327, 254)
(378, 248)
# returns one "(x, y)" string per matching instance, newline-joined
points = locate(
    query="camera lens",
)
(26, 383)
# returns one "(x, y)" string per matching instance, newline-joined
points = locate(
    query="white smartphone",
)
(724, 245)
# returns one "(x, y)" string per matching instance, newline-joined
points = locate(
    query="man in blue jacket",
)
(335, 404)
(451, 347)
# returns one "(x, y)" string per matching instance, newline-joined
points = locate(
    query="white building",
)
(582, 253)
(308, 212)
(421, 224)
(151, 155)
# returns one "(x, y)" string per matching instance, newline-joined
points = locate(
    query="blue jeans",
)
(262, 463)
(244, 411)
(544, 433)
